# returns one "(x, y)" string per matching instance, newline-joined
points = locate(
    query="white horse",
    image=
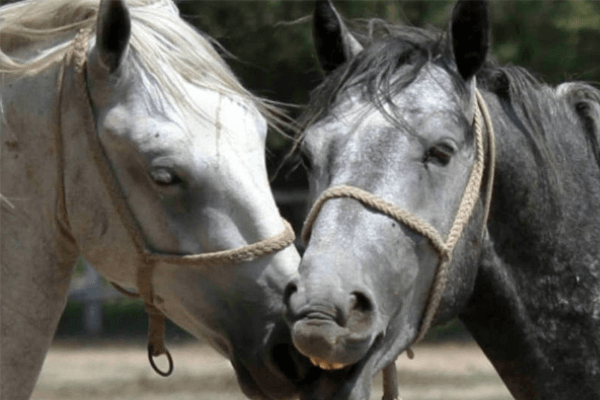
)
(126, 139)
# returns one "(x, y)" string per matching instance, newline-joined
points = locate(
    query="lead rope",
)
(77, 57)
(444, 248)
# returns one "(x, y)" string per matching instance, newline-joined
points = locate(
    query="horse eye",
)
(440, 154)
(164, 177)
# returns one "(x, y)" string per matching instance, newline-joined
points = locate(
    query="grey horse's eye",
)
(164, 177)
(440, 153)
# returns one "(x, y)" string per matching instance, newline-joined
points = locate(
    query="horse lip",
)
(328, 345)
(310, 313)
(318, 315)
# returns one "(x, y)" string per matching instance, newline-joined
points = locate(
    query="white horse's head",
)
(187, 145)
(185, 148)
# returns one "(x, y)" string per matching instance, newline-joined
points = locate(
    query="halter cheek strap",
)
(76, 58)
(444, 248)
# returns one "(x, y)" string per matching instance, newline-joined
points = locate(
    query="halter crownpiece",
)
(76, 56)
(445, 248)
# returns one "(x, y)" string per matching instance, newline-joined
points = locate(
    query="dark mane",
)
(394, 55)
(388, 49)
(536, 108)
(585, 102)
(532, 108)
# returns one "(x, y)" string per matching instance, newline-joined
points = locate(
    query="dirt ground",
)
(111, 371)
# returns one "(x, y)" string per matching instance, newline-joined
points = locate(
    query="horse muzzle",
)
(333, 328)
(328, 345)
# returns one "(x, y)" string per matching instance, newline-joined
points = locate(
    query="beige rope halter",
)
(445, 248)
(77, 57)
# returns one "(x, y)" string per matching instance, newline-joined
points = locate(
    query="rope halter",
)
(444, 248)
(76, 57)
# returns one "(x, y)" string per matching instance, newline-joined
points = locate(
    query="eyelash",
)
(440, 154)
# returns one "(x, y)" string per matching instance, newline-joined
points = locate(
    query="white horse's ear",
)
(113, 29)
(334, 43)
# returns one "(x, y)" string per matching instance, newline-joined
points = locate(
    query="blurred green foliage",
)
(556, 39)
(122, 318)
(272, 42)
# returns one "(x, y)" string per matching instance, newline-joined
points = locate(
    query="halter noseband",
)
(76, 56)
(445, 248)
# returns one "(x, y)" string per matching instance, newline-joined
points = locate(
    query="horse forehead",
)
(147, 114)
(363, 129)
(433, 89)
(239, 116)
(431, 94)
(211, 115)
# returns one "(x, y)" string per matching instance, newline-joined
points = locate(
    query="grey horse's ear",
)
(470, 30)
(334, 43)
(113, 29)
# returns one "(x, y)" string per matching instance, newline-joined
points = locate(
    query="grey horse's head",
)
(394, 118)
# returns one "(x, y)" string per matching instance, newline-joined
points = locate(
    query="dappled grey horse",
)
(406, 163)
(128, 140)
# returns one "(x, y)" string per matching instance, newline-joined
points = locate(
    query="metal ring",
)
(154, 367)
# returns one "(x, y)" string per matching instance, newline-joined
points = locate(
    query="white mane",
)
(165, 45)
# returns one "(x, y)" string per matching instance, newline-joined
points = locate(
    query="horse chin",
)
(259, 382)
(276, 375)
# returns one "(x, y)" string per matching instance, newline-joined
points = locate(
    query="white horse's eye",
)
(164, 177)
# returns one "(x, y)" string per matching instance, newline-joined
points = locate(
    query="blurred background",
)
(269, 46)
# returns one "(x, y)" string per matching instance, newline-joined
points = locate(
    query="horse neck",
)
(30, 160)
(535, 309)
(37, 258)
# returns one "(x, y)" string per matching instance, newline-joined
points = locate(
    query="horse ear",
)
(334, 43)
(113, 29)
(470, 36)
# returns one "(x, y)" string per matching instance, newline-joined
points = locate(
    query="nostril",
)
(288, 292)
(360, 302)
(361, 312)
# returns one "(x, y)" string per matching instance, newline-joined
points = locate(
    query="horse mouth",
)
(339, 381)
(329, 346)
